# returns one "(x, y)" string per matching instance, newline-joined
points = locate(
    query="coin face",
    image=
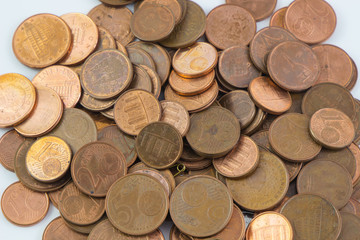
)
(9, 145)
(17, 97)
(278, 18)
(350, 226)
(135, 109)
(142, 199)
(140, 57)
(58, 230)
(229, 25)
(173, 5)
(313, 213)
(154, 173)
(264, 188)
(259, 9)
(23, 206)
(176, 115)
(96, 166)
(310, 22)
(41, 40)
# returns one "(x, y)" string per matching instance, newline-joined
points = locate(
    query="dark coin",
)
(9, 145)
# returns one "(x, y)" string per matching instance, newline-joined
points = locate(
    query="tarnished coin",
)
(354, 77)
(296, 102)
(58, 230)
(176, 115)
(140, 57)
(142, 199)
(317, 216)
(17, 97)
(155, 81)
(352, 206)
(272, 224)
(173, 5)
(310, 21)
(123, 142)
(109, 113)
(156, 174)
(289, 137)
(259, 9)
(355, 150)
(241, 161)
(23, 206)
(135, 109)
(86, 36)
(159, 145)
(328, 179)
(106, 40)
(9, 145)
(63, 80)
(188, 154)
(264, 188)
(206, 201)
(121, 48)
(100, 120)
(258, 121)
(197, 165)
(94, 104)
(79, 208)
(350, 226)
(268, 96)
(141, 79)
(230, 25)
(278, 18)
(45, 116)
(291, 71)
(111, 68)
(96, 166)
(55, 197)
(41, 40)
(332, 128)
(117, 2)
(85, 229)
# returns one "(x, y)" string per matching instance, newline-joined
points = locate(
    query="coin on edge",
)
(278, 18)
(9, 145)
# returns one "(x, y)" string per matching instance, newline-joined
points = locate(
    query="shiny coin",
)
(176, 115)
(9, 145)
(260, 10)
(278, 18)
(58, 230)
(350, 226)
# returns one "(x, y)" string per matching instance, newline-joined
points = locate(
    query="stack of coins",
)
(120, 134)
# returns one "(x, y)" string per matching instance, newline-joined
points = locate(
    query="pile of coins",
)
(250, 124)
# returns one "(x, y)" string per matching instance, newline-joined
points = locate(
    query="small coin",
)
(278, 18)
(41, 40)
(155, 81)
(259, 9)
(176, 115)
(85, 229)
(350, 226)
(205, 200)
(154, 173)
(135, 109)
(313, 213)
(9, 145)
(58, 230)
(258, 121)
(352, 206)
(141, 79)
(17, 97)
(173, 5)
(140, 57)
(142, 199)
(45, 116)
(106, 40)
(94, 104)
(355, 150)
(23, 206)
(230, 25)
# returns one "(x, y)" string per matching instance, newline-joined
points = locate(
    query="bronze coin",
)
(241, 161)
(23, 206)
(141, 79)
(45, 116)
(230, 25)
(58, 230)
(94, 104)
(121, 48)
(63, 80)
(352, 206)
(85, 229)
(264, 188)
(173, 5)
(296, 102)
(206, 201)
(109, 113)
(354, 77)
(106, 40)
(332, 128)
(259, 9)
(155, 81)
(289, 137)
(123, 142)
(156, 174)
(142, 199)
(111, 68)
(350, 226)
(264, 41)
(310, 22)
(78, 208)
(278, 18)
(355, 150)
(258, 121)
(176, 115)
(135, 109)
(55, 197)
(268, 96)
(197, 165)
(291, 71)
(17, 97)
(236, 67)
(140, 57)
(116, 20)
(9, 145)
(188, 154)
(41, 40)
(117, 2)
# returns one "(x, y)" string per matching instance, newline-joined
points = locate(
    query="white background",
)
(346, 36)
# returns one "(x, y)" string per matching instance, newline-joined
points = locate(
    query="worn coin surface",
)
(259, 9)
(94, 104)
(352, 206)
(118, 2)
(176, 115)
(355, 150)
(106, 40)
(258, 121)
(350, 226)
(278, 18)
(54, 197)
(58, 230)
(9, 145)
(156, 174)
(141, 79)
(85, 229)
(140, 57)
(173, 5)
(155, 81)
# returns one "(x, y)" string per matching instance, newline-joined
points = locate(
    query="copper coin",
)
(23, 206)
(354, 77)
(135, 109)
(278, 18)
(264, 41)
(332, 128)
(85, 229)
(141, 79)
(241, 161)
(156, 174)
(63, 80)
(198, 165)
(9, 145)
(117, 2)
(310, 22)
(258, 121)
(109, 113)
(229, 25)
(17, 97)
(291, 71)
(352, 206)
(85, 37)
(55, 197)
(356, 192)
(106, 40)
(142, 199)
(268, 96)
(159, 145)
(176, 115)
(121, 48)
(45, 116)
(41, 40)
(140, 57)
(123, 142)
(58, 230)
(296, 102)
(355, 150)
(264, 188)
(236, 67)
(96, 166)
(116, 20)
(350, 226)
(155, 81)
(173, 5)
(313, 213)
(79, 208)
(259, 9)
(100, 120)
(289, 137)
(206, 201)
(109, 67)
(94, 104)
(188, 154)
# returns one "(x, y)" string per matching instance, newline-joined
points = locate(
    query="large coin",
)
(58, 230)
(9, 145)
